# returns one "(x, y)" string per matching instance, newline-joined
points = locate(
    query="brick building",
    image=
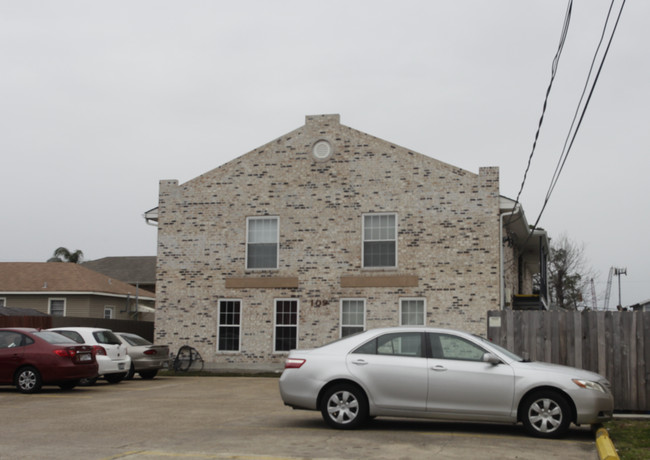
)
(326, 231)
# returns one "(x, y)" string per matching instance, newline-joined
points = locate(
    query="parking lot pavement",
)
(242, 418)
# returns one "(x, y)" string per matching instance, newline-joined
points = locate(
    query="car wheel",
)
(67, 386)
(344, 407)
(131, 373)
(88, 382)
(148, 375)
(28, 380)
(546, 414)
(114, 378)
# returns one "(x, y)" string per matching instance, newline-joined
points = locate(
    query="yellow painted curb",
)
(604, 444)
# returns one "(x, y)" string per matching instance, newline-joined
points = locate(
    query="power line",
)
(571, 136)
(554, 67)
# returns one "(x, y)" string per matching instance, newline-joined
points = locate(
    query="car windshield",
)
(135, 340)
(54, 337)
(508, 353)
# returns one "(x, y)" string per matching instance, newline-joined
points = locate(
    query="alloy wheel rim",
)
(343, 407)
(545, 415)
(27, 380)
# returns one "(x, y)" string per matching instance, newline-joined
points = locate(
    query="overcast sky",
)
(100, 100)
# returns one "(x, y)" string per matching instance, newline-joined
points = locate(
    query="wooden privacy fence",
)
(614, 344)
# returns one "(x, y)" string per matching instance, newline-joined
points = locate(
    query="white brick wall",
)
(448, 239)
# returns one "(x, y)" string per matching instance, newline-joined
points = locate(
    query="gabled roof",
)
(132, 270)
(61, 278)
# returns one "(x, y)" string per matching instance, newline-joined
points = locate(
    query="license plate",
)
(120, 366)
(85, 357)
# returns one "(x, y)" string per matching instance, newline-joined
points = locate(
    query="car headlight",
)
(589, 385)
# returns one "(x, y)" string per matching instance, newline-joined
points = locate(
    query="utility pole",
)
(618, 272)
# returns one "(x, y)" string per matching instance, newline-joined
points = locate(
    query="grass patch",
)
(631, 438)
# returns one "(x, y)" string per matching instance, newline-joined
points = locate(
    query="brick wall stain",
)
(448, 237)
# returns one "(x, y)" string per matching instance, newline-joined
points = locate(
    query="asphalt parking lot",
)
(238, 418)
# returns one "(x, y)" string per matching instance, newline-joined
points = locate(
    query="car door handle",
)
(360, 362)
(439, 368)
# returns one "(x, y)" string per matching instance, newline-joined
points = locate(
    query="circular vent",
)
(322, 150)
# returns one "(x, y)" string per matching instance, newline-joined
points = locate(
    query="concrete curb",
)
(604, 444)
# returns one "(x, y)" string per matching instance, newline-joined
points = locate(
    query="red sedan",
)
(31, 358)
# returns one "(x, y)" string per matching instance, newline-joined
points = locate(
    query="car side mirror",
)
(492, 359)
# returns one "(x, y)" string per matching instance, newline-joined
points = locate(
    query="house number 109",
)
(319, 303)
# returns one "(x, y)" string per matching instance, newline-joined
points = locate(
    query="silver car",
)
(440, 374)
(146, 358)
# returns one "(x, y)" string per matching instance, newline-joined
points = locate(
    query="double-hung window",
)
(286, 324)
(57, 307)
(229, 325)
(352, 316)
(379, 240)
(412, 312)
(262, 242)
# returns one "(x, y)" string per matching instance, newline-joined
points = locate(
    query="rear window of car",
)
(106, 338)
(72, 335)
(54, 337)
(135, 340)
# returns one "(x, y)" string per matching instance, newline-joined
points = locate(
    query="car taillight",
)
(150, 352)
(65, 353)
(97, 350)
(294, 363)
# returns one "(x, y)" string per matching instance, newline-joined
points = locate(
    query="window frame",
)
(56, 299)
(220, 325)
(3, 301)
(277, 242)
(276, 325)
(111, 310)
(363, 240)
(342, 324)
(411, 299)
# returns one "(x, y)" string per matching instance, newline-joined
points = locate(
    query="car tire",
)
(67, 386)
(114, 378)
(28, 380)
(546, 414)
(131, 373)
(344, 406)
(88, 382)
(148, 375)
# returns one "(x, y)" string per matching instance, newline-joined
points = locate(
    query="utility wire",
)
(571, 136)
(554, 67)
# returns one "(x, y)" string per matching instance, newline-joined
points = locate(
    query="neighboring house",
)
(641, 306)
(139, 271)
(327, 231)
(67, 289)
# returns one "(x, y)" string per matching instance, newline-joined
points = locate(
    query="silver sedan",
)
(146, 358)
(440, 374)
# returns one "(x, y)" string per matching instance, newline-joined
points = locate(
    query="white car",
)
(111, 355)
(440, 374)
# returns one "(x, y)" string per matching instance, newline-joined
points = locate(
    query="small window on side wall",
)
(57, 307)
(262, 243)
(229, 325)
(412, 312)
(380, 241)
(353, 313)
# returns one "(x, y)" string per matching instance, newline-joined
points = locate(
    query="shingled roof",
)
(60, 277)
(132, 269)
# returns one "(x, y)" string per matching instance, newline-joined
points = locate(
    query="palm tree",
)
(63, 255)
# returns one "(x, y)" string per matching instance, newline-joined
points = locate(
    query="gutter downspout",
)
(502, 278)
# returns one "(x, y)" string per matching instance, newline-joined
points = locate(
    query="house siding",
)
(448, 241)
